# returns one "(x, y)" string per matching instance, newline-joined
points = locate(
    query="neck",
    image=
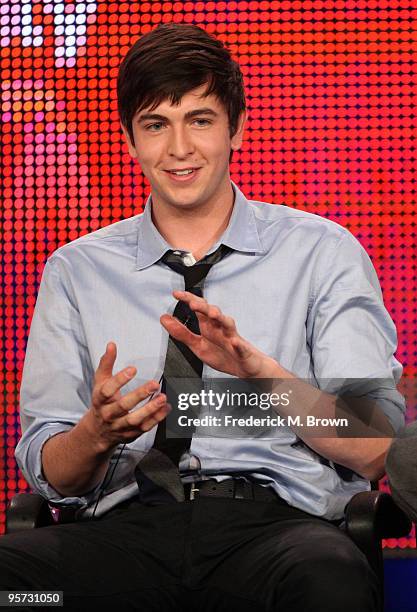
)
(193, 230)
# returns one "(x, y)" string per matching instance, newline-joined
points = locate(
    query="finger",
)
(112, 412)
(106, 363)
(135, 397)
(215, 315)
(200, 306)
(148, 416)
(197, 303)
(159, 416)
(187, 297)
(178, 331)
(128, 429)
(104, 392)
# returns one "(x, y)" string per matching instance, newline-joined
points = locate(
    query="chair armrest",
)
(371, 516)
(27, 511)
(375, 512)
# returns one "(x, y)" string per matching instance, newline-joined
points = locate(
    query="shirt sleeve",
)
(57, 379)
(352, 337)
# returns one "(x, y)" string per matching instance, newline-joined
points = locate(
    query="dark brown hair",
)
(170, 61)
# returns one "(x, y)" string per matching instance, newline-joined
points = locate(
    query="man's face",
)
(184, 150)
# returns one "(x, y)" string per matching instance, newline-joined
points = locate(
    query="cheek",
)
(148, 156)
(216, 149)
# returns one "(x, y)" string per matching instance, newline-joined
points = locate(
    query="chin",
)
(184, 205)
(186, 200)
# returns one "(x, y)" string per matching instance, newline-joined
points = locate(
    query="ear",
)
(130, 146)
(237, 138)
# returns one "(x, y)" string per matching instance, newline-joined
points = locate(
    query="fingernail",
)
(129, 371)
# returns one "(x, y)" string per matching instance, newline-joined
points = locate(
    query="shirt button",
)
(188, 260)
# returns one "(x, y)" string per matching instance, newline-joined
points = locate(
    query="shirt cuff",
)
(28, 457)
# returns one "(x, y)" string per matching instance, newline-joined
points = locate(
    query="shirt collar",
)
(241, 233)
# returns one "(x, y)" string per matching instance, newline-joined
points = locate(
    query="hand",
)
(219, 345)
(108, 419)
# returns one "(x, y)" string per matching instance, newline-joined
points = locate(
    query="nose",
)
(180, 143)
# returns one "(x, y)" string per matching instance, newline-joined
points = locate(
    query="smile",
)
(187, 175)
(181, 172)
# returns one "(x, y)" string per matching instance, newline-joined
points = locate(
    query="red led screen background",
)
(331, 92)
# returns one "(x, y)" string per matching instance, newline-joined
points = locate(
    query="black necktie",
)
(157, 473)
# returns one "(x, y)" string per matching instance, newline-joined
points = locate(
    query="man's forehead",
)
(190, 101)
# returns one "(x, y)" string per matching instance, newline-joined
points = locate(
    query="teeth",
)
(181, 172)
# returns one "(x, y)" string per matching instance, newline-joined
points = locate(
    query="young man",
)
(290, 296)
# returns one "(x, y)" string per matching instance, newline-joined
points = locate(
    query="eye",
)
(151, 127)
(203, 121)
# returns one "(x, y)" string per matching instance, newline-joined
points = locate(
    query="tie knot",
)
(194, 273)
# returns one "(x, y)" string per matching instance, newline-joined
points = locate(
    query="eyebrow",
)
(189, 115)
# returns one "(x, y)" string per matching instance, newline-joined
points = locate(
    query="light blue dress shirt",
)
(301, 289)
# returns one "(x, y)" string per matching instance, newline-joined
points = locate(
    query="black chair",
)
(370, 516)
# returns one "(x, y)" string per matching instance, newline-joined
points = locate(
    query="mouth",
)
(183, 175)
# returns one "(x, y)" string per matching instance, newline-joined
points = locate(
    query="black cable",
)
(107, 481)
